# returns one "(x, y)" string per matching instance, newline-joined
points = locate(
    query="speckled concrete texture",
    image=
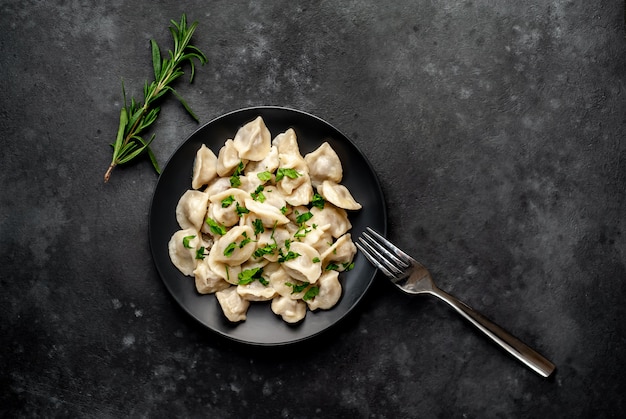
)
(496, 129)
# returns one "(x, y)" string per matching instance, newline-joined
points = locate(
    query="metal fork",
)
(413, 278)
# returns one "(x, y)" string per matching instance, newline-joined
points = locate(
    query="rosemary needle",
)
(136, 117)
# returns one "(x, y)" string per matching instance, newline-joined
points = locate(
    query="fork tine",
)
(369, 253)
(383, 242)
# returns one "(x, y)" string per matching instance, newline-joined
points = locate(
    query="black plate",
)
(262, 326)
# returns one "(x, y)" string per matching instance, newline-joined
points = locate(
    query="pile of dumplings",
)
(261, 222)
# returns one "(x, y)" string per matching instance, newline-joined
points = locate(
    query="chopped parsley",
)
(304, 217)
(258, 195)
(282, 172)
(248, 276)
(264, 176)
(316, 260)
(332, 267)
(230, 249)
(296, 288)
(318, 201)
(186, 241)
(268, 249)
(289, 256)
(311, 293)
(235, 181)
(200, 253)
(257, 225)
(226, 202)
(215, 227)
(241, 210)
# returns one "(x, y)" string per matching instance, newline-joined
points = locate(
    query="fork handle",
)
(510, 343)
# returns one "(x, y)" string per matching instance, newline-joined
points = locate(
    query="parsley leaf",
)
(186, 240)
(264, 176)
(303, 218)
(296, 288)
(282, 172)
(332, 267)
(268, 249)
(241, 210)
(226, 202)
(230, 249)
(248, 276)
(215, 227)
(257, 225)
(258, 195)
(311, 293)
(235, 182)
(289, 256)
(200, 253)
(318, 201)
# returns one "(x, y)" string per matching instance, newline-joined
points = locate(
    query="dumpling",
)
(336, 217)
(300, 194)
(324, 164)
(255, 291)
(338, 195)
(234, 247)
(204, 167)
(291, 311)
(207, 281)
(289, 151)
(268, 164)
(268, 214)
(233, 305)
(217, 185)
(227, 159)
(253, 140)
(306, 266)
(329, 291)
(223, 206)
(272, 240)
(182, 249)
(191, 209)
(341, 251)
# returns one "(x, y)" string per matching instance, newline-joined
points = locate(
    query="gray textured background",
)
(496, 128)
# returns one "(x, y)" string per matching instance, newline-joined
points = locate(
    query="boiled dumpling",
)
(191, 209)
(324, 164)
(291, 311)
(268, 164)
(207, 281)
(306, 266)
(233, 306)
(341, 251)
(253, 140)
(336, 217)
(268, 214)
(338, 195)
(329, 291)
(235, 247)
(227, 159)
(182, 249)
(204, 167)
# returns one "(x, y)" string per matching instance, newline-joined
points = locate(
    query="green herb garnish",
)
(264, 176)
(318, 201)
(186, 241)
(226, 202)
(230, 249)
(289, 256)
(235, 181)
(136, 117)
(258, 195)
(304, 217)
(248, 276)
(282, 172)
(257, 225)
(215, 227)
(311, 293)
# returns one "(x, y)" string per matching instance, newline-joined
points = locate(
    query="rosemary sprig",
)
(136, 117)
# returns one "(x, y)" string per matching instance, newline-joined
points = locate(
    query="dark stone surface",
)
(496, 129)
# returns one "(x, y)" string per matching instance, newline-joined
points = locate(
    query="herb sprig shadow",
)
(135, 117)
